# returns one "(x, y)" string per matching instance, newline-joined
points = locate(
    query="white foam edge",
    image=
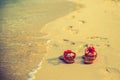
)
(32, 73)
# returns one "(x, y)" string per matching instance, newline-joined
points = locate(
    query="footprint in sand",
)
(79, 21)
(99, 41)
(82, 21)
(68, 41)
(94, 40)
(112, 73)
(72, 30)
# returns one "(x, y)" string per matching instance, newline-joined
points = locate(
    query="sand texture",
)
(22, 47)
(32, 40)
(94, 23)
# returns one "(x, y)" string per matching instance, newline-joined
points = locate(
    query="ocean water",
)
(21, 44)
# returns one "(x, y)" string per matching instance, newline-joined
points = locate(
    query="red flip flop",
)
(90, 55)
(69, 56)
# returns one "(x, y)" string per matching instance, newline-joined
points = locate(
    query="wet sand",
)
(94, 23)
(22, 46)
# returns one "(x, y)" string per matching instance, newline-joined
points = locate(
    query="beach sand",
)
(31, 52)
(94, 23)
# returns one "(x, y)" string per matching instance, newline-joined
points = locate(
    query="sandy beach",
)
(94, 23)
(31, 41)
(22, 47)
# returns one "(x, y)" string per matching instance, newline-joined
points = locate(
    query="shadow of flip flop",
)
(55, 61)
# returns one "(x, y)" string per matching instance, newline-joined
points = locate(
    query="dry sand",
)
(74, 25)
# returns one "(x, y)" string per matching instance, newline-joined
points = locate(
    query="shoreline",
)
(34, 35)
(91, 25)
(22, 43)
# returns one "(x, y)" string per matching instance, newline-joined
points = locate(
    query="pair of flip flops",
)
(89, 56)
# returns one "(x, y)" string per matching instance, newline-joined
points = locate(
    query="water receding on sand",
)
(21, 44)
